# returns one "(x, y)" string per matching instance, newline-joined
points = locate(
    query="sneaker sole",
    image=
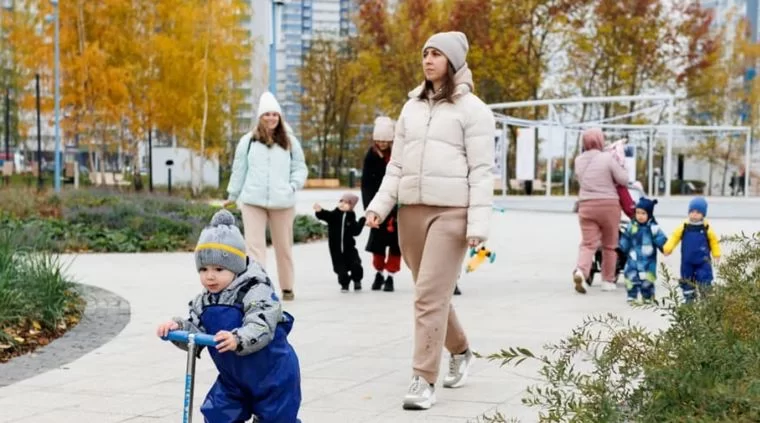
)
(578, 280)
(424, 405)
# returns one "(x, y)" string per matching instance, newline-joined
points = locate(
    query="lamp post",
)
(57, 60)
(39, 131)
(273, 48)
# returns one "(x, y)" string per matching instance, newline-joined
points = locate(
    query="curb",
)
(105, 315)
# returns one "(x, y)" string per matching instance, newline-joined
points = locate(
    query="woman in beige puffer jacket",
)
(440, 175)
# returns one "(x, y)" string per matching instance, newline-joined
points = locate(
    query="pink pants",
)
(600, 221)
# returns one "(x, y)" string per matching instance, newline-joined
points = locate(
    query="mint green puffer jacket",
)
(267, 177)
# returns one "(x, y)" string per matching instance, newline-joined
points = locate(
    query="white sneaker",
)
(608, 286)
(421, 395)
(459, 367)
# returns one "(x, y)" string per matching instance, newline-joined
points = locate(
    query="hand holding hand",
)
(317, 207)
(165, 328)
(226, 341)
(373, 220)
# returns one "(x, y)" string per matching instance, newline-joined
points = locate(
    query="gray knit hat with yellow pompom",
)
(221, 244)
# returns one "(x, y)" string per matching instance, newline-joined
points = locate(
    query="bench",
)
(322, 183)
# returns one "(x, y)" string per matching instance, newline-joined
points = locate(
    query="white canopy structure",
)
(663, 103)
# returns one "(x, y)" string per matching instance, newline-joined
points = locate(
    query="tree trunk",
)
(198, 173)
(323, 152)
(726, 161)
(103, 152)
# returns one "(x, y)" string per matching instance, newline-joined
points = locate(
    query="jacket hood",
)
(254, 271)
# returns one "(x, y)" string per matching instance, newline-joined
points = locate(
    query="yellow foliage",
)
(129, 65)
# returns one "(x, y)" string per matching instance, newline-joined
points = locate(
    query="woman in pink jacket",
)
(440, 175)
(598, 172)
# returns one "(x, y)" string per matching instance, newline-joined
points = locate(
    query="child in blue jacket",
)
(699, 247)
(258, 369)
(640, 242)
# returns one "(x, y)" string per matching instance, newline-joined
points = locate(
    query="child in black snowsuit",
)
(342, 227)
(383, 241)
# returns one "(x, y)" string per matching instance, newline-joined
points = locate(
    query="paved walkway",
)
(355, 349)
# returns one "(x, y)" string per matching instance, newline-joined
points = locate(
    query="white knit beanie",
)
(384, 129)
(452, 44)
(268, 104)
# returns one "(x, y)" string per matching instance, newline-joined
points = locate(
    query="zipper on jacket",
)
(342, 229)
(431, 106)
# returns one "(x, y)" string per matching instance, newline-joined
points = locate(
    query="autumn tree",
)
(25, 49)
(390, 47)
(132, 66)
(719, 94)
(333, 82)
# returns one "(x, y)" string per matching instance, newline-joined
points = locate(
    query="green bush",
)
(35, 295)
(106, 221)
(705, 367)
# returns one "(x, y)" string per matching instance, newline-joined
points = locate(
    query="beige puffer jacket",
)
(442, 156)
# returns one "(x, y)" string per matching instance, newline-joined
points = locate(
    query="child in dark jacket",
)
(383, 241)
(342, 227)
(699, 247)
(640, 242)
(258, 369)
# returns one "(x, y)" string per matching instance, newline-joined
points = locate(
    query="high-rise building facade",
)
(303, 21)
(727, 12)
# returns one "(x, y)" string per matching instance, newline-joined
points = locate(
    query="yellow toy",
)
(478, 257)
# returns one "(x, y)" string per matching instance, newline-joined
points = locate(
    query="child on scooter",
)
(258, 369)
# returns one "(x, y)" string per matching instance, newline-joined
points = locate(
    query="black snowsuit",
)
(342, 227)
(380, 238)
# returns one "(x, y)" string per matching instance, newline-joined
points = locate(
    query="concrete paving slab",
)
(355, 348)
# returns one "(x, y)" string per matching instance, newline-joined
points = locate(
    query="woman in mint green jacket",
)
(267, 170)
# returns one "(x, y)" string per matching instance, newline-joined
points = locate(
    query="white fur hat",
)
(267, 104)
(384, 129)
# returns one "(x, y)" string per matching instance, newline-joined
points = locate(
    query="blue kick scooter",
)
(192, 340)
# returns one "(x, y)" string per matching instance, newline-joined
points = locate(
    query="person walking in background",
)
(598, 173)
(383, 240)
(267, 170)
(342, 228)
(439, 173)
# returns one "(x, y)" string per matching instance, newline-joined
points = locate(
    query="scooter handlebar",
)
(184, 337)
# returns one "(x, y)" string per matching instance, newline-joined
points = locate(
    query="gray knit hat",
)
(452, 44)
(221, 244)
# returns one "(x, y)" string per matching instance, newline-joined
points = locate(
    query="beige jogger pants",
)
(280, 221)
(433, 244)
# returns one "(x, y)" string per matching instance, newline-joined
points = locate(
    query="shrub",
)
(705, 367)
(37, 301)
(105, 221)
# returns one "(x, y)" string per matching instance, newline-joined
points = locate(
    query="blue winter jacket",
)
(267, 177)
(640, 242)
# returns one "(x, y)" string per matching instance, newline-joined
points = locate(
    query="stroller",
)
(636, 191)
